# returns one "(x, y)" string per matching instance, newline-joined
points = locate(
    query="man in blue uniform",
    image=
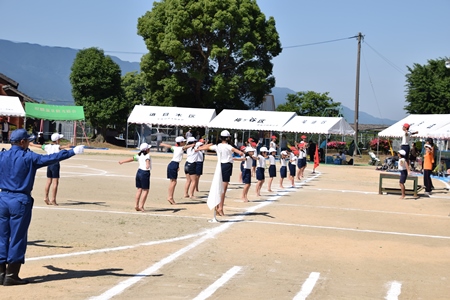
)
(18, 168)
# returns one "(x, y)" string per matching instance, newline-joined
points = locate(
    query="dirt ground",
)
(330, 237)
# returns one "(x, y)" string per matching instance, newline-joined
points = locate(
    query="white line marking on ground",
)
(121, 212)
(218, 283)
(362, 210)
(151, 243)
(355, 230)
(395, 289)
(119, 288)
(307, 286)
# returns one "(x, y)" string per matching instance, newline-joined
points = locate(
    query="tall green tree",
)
(96, 85)
(208, 53)
(310, 103)
(428, 88)
(134, 89)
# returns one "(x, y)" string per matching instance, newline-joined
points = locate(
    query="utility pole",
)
(359, 37)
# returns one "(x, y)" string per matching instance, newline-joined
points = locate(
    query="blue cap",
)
(20, 134)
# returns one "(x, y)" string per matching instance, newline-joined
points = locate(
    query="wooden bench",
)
(396, 176)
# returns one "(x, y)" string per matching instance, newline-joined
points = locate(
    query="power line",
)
(318, 43)
(398, 69)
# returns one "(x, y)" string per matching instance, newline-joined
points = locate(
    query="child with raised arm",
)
(53, 170)
(283, 169)
(272, 168)
(261, 169)
(403, 167)
(174, 165)
(142, 175)
(248, 159)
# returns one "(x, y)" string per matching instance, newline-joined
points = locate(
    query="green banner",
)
(54, 112)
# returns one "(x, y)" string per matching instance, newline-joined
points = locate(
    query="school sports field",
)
(331, 237)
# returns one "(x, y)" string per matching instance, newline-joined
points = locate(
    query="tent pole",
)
(74, 143)
(126, 141)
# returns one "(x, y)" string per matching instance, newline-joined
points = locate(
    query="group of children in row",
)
(288, 160)
(193, 167)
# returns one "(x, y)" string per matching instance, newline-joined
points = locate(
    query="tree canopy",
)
(135, 93)
(428, 88)
(96, 85)
(208, 53)
(310, 103)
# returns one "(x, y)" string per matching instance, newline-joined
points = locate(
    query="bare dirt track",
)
(331, 237)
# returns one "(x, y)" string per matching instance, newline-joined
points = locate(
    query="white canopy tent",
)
(424, 124)
(11, 107)
(319, 125)
(442, 133)
(171, 116)
(251, 120)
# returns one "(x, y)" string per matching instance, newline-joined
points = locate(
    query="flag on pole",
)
(316, 158)
(216, 190)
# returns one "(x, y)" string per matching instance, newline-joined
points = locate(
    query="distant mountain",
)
(43, 72)
(348, 114)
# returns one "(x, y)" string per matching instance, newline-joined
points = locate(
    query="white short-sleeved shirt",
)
(271, 159)
(402, 164)
(273, 145)
(405, 138)
(283, 162)
(142, 160)
(248, 162)
(261, 161)
(301, 153)
(200, 156)
(177, 153)
(51, 148)
(226, 154)
(293, 158)
(191, 155)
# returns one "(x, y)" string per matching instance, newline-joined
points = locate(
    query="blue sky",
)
(403, 32)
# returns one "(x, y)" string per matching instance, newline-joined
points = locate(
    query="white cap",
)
(144, 146)
(272, 150)
(180, 139)
(191, 139)
(283, 152)
(198, 144)
(225, 133)
(249, 149)
(56, 136)
(263, 149)
(426, 145)
(402, 152)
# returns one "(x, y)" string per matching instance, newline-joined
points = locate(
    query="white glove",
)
(78, 149)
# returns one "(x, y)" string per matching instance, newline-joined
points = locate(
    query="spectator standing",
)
(5, 131)
(428, 161)
(312, 150)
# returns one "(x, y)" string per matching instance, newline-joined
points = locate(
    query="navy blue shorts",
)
(190, 168)
(143, 179)
(301, 162)
(403, 175)
(242, 166)
(172, 170)
(199, 168)
(260, 173)
(406, 148)
(291, 169)
(53, 170)
(272, 171)
(227, 171)
(247, 176)
(283, 172)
